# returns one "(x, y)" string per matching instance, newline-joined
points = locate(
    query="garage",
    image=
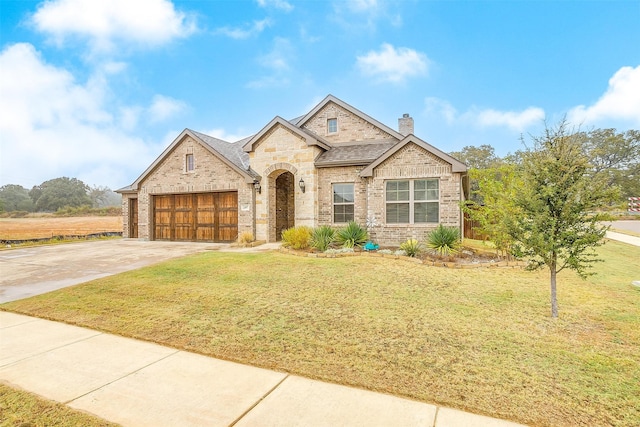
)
(203, 217)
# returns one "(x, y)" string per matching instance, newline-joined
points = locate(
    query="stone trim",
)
(280, 166)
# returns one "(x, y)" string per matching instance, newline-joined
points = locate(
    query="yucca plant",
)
(296, 237)
(411, 247)
(352, 235)
(322, 237)
(444, 240)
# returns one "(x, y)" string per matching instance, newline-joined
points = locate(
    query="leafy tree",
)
(617, 155)
(557, 224)
(60, 192)
(482, 157)
(497, 187)
(15, 198)
(103, 196)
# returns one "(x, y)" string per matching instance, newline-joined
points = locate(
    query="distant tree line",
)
(609, 153)
(56, 194)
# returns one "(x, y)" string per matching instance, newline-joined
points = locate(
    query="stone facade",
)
(277, 152)
(269, 169)
(351, 127)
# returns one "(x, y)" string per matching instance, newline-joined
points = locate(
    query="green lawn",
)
(478, 340)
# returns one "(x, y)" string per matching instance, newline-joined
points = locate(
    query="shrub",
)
(322, 237)
(411, 247)
(444, 240)
(352, 235)
(245, 238)
(297, 237)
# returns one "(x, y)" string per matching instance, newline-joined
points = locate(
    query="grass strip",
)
(22, 409)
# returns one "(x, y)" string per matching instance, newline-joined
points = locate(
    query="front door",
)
(285, 203)
(133, 218)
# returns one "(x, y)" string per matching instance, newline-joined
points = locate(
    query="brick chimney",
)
(405, 124)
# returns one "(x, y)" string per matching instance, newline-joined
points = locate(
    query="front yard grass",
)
(477, 340)
(21, 409)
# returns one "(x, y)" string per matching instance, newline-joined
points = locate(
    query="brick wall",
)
(210, 175)
(412, 162)
(329, 176)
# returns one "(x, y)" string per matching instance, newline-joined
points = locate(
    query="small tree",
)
(557, 225)
(497, 188)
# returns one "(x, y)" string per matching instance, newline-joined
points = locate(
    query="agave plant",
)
(352, 235)
(411, 247)
(444, 240)
(322, 237)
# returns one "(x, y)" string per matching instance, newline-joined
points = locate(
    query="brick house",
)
(330, 166)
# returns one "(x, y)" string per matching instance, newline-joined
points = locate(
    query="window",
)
(332, 125)
(189, 165)
(412, 201)
(343, 203)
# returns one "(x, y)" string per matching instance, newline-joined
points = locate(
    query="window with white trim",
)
(189, 164)
(412, 201)
(332, 125)
(343, 202)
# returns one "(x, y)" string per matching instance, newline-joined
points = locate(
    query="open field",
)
(478, 340)
(36, 228)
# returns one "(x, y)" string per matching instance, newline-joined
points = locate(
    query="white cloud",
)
(164, 107)
(245, 32)
(278, 62)
(104, 22)
(359, 15)
(278, 4)
(621, 101)
(516, 120)
(437, 106)
(393, 65)
(361, 6)
(224, 135)
(279, 56)
(53, 126)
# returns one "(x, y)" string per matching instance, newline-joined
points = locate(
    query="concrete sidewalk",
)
(625, 238)
(137, 383)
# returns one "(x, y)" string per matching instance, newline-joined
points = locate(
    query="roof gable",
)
(213, 145)
(309, 138)
(456, 166)
(330, 98)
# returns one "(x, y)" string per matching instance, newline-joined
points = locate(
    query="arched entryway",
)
(284, 205)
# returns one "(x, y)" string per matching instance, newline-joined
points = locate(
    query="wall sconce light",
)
(256, 185)
(301, 184)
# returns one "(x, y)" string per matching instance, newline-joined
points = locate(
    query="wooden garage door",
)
(210, 217)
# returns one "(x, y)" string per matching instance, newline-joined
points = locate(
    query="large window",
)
(412, 201)
(343, 203)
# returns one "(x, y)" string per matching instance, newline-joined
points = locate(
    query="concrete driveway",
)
(37, 270)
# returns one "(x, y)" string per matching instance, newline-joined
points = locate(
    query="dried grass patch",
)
(36, 228)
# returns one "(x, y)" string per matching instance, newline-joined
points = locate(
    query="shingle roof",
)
(353, 154)
(232, 151)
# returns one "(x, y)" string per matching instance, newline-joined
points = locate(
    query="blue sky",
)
(95, 89)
